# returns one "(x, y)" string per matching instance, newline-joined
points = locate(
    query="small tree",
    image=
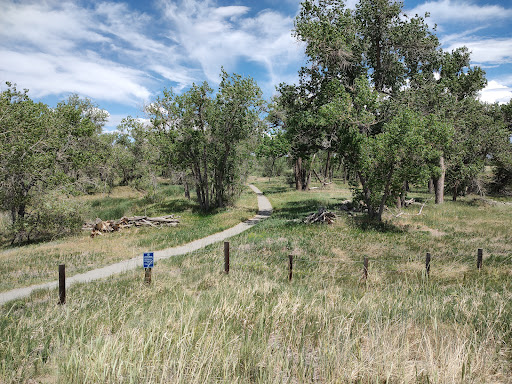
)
(41, 149)
(387, 160)
(211, 137)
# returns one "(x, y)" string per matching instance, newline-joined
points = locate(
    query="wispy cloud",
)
(221, 36)
(461, 11)
(87, 75)
(56, 47)
(486, 51)
(109, 51)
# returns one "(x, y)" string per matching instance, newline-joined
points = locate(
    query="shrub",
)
(49, 217)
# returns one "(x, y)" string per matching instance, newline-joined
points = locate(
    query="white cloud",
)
(102, 52)
(221, 36)
(230, 11)
(496, 92)
(108, 51)
(461, 11)
(49, 26)
(46, 74)
(494, 51)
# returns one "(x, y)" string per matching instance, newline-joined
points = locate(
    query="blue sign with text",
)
(148, 259)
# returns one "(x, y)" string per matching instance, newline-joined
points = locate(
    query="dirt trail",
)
(264, 211)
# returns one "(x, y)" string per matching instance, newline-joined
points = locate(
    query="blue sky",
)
(121, 54)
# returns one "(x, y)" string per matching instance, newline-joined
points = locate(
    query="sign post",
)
(148, 263)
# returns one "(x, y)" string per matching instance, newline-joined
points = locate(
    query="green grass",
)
(195, 324)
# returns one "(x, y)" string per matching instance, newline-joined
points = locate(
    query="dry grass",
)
(31, 264)
(196, 325)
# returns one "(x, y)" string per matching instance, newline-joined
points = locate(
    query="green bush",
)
(48, 217)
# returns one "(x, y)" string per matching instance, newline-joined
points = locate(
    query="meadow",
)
(195, 324)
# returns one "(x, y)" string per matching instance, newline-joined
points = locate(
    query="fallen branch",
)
(422, 206)
(98, 227)
(321, 216)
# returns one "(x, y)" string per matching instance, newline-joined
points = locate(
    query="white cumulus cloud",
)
(496, 92)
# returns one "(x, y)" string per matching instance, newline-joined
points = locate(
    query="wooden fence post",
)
(427, 264)
(365, 268)
(62, 283)
(290, 267)
(226, 257)
(147, 275)
(480, 258)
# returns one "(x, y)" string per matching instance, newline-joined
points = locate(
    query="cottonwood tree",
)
(503, 160)
(27, 149)
(359, 64)
(135, 158)
(302, 131)
(80, 152)
(41, 149)
(210, 136)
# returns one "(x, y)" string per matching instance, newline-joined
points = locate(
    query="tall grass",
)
(195, 324)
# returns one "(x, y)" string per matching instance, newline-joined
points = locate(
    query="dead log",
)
(98, 227)
(321, 216)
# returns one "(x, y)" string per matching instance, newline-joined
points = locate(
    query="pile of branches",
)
(321, 216)
(98, 227)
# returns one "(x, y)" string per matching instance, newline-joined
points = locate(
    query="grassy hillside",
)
(195, 324)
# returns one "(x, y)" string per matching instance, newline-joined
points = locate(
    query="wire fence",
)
(295, 263)
(298, 266)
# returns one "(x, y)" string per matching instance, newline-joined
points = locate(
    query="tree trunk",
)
(327, 163)
(298, 174)
(366, 196)
(430, 186)
(205, 181)
(385, 196)
(13, 215)
(187, 190)
(403, 194)
(439, 182)
(308, 181)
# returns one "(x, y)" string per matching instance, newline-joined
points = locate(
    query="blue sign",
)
(148, 260)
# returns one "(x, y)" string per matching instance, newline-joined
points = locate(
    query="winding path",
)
(264, 211)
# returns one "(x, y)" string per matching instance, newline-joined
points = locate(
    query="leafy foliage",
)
(41, 149)
(211, 137)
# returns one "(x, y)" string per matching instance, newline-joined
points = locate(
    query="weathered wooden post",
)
(226, 257)
(480, 258)
(147, 275)
(290, 267)
(365, 268)
(427, 264)
(62, 283)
